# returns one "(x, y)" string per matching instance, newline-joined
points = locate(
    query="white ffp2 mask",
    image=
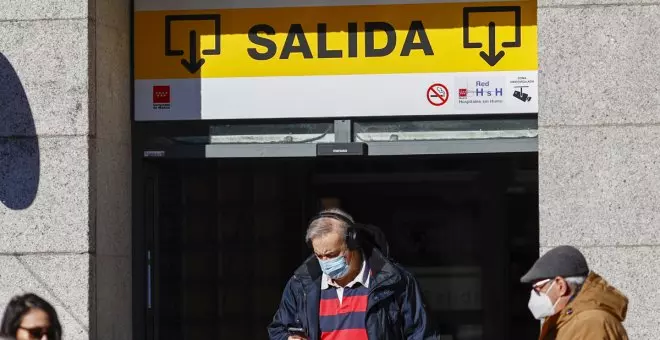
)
(540, 304)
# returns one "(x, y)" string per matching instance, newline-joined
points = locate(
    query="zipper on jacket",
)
(304, 306)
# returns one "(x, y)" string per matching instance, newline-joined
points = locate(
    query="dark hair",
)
(21, 305)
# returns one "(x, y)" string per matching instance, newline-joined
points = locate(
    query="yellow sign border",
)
(442, 24)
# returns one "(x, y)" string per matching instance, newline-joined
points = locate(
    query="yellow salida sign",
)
(302, 41)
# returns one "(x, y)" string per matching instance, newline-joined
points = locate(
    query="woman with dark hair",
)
(29, 317)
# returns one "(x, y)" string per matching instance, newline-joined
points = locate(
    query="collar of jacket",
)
(595, 293)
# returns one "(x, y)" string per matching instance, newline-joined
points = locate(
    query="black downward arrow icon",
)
(491, 58)
(194, 64)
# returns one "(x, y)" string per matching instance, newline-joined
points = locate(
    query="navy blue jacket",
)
(395, 310)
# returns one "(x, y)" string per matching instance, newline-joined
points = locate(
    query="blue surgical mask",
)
(335, 268)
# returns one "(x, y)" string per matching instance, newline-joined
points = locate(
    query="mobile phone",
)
(297, 331)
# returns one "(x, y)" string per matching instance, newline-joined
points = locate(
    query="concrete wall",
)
(599, 153)
(65, 160)
(112, 165)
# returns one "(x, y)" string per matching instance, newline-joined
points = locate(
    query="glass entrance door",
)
(226, 235)
(225, 241)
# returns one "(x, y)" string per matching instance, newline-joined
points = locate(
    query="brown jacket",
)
(597, 313)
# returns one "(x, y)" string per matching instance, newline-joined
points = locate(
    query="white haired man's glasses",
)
(538, 287)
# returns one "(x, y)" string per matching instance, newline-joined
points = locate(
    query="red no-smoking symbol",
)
(437, 94)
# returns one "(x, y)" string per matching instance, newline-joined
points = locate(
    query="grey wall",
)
(599, 153)
(65, 160)
(112, 169)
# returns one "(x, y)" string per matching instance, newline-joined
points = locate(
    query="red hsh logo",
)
(161, 97)
(462, 93)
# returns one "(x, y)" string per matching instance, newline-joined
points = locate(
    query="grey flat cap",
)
(562, 261)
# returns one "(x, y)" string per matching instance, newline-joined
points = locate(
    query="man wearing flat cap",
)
(572, 301)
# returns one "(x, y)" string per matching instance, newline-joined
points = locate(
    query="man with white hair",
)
(348, 290)
(572, 301)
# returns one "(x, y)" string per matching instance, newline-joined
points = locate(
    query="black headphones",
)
(352, 235)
